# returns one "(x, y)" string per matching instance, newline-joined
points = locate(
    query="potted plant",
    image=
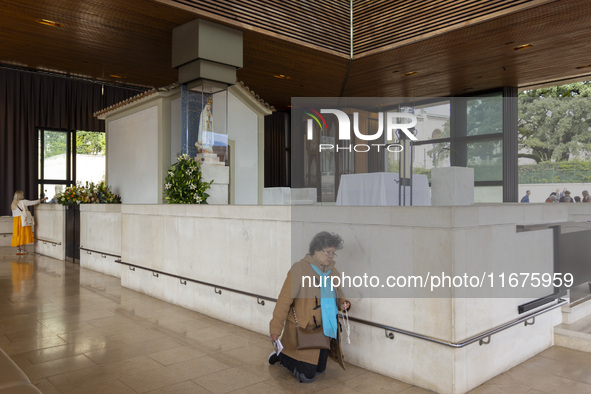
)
(184, 183)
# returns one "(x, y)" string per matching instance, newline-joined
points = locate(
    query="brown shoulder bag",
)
(310, 338)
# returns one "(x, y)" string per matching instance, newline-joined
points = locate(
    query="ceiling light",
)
(281, 76)
(47, 22)
(408, 74)
(116, 76)
(522, 47)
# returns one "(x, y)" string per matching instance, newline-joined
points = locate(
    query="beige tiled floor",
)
(74, 330)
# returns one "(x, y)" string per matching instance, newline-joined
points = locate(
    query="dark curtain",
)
(29, 101)
(277, 158)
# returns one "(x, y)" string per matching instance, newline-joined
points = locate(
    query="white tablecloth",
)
(381, 189)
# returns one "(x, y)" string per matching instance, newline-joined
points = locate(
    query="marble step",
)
(575, 336)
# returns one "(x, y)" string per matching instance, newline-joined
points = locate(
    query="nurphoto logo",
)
(393, 121)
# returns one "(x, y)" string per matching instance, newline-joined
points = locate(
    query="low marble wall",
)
(289, 196)
(579, 212)
(250, 248)
(436, 239)
(230, 246)
(50, 230)
(5, 230)
(100, 237)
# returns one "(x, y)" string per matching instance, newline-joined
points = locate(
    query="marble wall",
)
(5, 230)
(250, 248)
(100, 237)
(50, 229)
(134, 162)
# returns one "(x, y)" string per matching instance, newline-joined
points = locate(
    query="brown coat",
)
(304, 301)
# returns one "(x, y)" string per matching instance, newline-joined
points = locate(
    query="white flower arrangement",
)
(183, 184)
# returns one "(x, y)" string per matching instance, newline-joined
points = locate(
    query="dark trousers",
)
(309, 370)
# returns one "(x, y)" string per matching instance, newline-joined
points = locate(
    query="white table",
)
(381, 189)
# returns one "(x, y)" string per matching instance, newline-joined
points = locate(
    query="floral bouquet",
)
(183, 184)
(101, 194)
(72, 195)
(89, 194)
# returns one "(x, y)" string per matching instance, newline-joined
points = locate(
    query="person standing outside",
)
(526, 197)
(21, 235)
(564, 198)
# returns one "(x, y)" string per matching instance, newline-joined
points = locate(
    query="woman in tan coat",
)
(314, 307)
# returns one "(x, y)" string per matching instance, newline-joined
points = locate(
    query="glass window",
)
(492, 194)
(90, 156)
(428, 156)
(59, 168)
(432, 121)
(486, 157)
(49, 190)
(484, 115)
(54, 154)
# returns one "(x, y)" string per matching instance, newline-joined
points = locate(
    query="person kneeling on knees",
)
(312, 309)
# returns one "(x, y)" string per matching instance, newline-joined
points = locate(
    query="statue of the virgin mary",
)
(205, 138)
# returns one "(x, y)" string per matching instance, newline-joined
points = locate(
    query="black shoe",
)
(301, 377)
(273, 358)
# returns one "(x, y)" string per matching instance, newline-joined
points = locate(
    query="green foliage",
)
(87, 143)
(554, 123)
(574, 171)
(88, 194)
(484, 115)
(90, 143)
(421, 170)
(488, 172)
(54, 143)
(183, 184)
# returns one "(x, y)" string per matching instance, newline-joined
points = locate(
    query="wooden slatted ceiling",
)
(97, 38)
(483, 56)
(321, 23)
(311, 73)
(384, 23)
(132, 38)
(377, 24)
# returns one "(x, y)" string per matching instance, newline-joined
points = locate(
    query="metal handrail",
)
(47, 241)
(476, 338)
(216, 287)
(480, 338)
(103, 254)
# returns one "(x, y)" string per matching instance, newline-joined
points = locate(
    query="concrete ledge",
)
(572, 314)
(572, 340)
